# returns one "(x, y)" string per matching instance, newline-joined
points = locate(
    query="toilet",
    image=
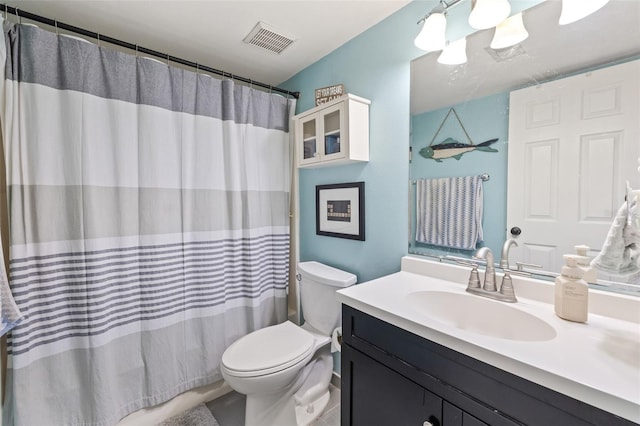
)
(284, 370)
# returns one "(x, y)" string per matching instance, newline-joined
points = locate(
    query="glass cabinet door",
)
(309, 144)
(332, 133)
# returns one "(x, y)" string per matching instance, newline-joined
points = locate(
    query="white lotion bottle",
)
(571, 292)
(590, 275)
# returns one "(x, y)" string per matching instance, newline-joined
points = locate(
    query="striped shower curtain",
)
(148, 215)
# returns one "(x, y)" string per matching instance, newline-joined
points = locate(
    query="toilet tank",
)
(318, 286)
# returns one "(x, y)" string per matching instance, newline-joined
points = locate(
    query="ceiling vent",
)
(506, 54)
(267, 37)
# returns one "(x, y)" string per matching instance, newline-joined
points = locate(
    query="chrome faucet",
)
(506, 293)
(490, 272)
(504, 258)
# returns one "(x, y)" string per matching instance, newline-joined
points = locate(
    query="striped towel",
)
(449, 212)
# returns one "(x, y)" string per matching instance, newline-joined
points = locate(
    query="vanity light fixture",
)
(484, 14)
(455, 53)
(574, 10)
(509, 32)
(488, 13)
(432, 36)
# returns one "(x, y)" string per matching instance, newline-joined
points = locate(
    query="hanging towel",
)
(449, 212)
(621, 250)
(10, 315)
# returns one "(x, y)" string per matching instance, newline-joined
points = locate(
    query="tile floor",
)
(229, 409)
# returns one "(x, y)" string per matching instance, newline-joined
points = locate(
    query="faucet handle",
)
(474, 277)
(521, 266)
(506, 288)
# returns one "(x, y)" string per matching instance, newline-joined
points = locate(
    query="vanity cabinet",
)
(393, 377)
(333, 133)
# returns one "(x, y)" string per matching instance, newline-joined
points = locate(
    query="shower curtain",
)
(149, 225)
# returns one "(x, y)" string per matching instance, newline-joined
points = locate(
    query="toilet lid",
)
(268, 350)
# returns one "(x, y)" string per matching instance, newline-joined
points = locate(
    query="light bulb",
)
(454, 53)
(432, 36)
(488, 13)
(574, 10)
(509, 32)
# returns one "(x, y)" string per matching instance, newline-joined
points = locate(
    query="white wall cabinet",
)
(333, 133)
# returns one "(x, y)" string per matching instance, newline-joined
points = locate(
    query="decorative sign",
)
(330, 93)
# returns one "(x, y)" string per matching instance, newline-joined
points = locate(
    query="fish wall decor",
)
(451, 148)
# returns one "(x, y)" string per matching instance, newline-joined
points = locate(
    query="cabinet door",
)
(334, 136)
(309, 150)
(379, 396)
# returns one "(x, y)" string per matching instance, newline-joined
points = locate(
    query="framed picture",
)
(340, 210)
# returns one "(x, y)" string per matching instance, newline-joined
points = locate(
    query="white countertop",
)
(597, 362)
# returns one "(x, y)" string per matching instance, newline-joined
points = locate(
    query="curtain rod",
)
(52, 22)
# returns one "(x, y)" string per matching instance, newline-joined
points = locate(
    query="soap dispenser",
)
(571, 292)
(590, 275)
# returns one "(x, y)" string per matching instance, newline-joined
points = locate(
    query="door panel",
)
(573, 143)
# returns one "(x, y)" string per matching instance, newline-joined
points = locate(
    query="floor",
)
(229, 409)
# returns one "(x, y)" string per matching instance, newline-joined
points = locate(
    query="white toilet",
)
(285, 369)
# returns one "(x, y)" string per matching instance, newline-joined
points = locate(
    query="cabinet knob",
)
(433, 421)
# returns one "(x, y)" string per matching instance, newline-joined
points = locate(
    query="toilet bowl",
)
(285, 369)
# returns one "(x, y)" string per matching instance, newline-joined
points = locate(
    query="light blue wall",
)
(374, 65)
(483, 119)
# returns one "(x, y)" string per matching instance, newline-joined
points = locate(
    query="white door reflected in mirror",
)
(573, 144)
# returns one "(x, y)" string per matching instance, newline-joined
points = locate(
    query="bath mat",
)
(196, 416)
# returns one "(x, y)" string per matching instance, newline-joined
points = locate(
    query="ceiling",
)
(210, 32)
(551, 50)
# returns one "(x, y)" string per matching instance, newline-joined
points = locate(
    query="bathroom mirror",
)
(479, 93)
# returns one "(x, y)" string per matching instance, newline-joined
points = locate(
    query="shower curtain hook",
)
(56, 25)
(6, 11)
(136, 50)
(18, 16)
(168, 64)
(197, 68)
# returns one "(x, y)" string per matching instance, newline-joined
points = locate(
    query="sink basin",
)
(479, 315)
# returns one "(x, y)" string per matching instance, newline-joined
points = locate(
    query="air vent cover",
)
(267, 37)
(506, 54)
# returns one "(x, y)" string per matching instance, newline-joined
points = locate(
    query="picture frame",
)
(340, 210)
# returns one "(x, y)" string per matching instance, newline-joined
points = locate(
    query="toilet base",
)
(299, 404)
(307, 414)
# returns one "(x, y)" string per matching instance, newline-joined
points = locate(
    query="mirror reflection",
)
(563, 106)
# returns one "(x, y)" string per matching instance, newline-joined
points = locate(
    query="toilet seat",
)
(268, 350)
